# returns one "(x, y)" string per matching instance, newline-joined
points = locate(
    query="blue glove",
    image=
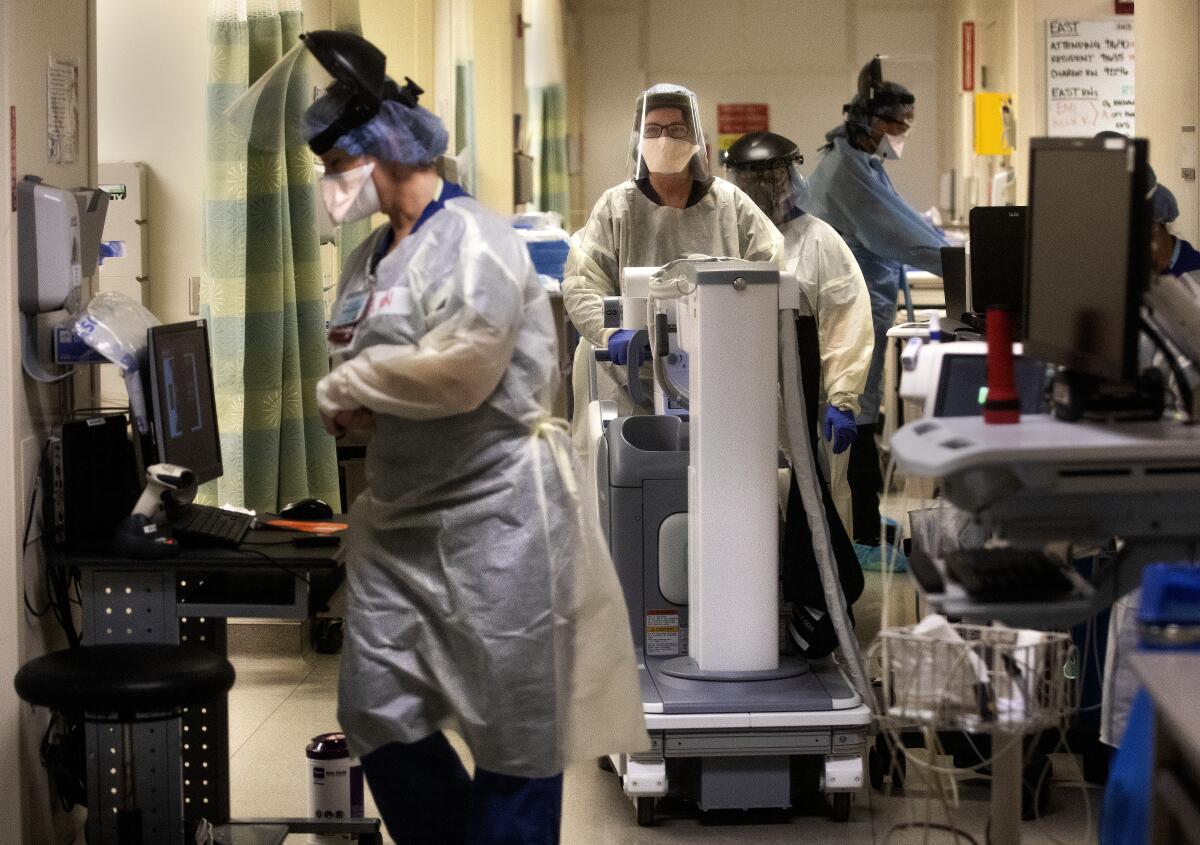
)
(840, 429)
(619, 351)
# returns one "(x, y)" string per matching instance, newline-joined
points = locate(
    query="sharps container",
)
(335, 784)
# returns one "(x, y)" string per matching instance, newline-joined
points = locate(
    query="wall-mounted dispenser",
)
(58, 244)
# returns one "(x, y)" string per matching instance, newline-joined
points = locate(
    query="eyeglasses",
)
(678, 131)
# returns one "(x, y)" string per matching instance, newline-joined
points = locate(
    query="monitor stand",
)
(1077, 396)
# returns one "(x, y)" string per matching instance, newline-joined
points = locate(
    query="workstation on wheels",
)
(488, 422)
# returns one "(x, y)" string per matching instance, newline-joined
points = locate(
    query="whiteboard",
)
(1089, 77)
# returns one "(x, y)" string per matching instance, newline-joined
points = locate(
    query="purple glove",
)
(619, 351)
(840, 429)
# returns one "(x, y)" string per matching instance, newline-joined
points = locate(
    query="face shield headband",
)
(359, 86)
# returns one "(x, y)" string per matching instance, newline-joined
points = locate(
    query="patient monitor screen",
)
(1079, 258)
(184, 410)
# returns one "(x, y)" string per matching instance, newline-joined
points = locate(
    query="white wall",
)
(801, 58)
(29, 34)
(151, 72)
(1167, 93)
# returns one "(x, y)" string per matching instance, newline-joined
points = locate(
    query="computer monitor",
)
(998, 258)
(182, 404)
(1089, 254)
(954, 281)
(962, 385)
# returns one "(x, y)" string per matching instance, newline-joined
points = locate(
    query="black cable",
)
(33, 497)
(1185, 389)
(297, 575)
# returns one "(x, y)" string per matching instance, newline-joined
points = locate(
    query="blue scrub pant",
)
(426, 797)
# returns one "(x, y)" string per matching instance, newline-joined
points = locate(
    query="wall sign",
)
(62, 111)
(736, 119)
(1089, 77)
(12, 152)
(968, 56)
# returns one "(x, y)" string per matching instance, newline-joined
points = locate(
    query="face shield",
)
(667, 137)
(767, 167)
(881, 107)
(278, 111)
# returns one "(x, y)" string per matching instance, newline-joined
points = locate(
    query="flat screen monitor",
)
(182, 403)
(954, 280)
(998, 258)
(962, 386)
(1089, 254)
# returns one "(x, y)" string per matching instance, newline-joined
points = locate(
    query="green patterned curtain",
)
(548, 146)
(546, 106)
(261, 291)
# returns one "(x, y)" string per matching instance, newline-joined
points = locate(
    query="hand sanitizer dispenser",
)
(58, 244)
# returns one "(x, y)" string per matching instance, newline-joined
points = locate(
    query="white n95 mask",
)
(351, 195)
(666, 155)
(892, 146)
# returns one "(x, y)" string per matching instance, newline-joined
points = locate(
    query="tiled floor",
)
(280, 702)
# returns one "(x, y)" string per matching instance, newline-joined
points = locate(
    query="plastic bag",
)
(115, 326)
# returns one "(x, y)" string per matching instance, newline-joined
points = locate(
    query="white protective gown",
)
(627, 229)
(477, 598)
(837, 294)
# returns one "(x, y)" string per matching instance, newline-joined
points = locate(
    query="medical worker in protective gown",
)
(670, 206)
(835, 340)
(478, 599)
(852, 192)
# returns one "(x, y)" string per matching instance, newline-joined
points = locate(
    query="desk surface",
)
(947, 445)
(264, 548)
(1173, 680)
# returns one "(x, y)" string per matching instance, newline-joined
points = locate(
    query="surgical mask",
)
(666, 155)
(892, 146)
(351, 195)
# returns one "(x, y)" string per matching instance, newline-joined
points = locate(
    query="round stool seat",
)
(125, 679)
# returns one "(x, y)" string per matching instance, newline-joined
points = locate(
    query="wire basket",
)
(990, 680)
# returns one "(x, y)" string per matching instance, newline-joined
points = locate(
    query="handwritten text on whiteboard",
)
(1089, 77)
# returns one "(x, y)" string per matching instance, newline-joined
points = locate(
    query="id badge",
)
(350, 310)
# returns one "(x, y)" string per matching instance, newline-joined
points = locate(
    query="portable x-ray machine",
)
(689, 502)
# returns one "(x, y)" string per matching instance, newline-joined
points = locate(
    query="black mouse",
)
(307, 510)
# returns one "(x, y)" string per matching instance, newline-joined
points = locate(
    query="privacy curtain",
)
(261, 289)
(546, 98)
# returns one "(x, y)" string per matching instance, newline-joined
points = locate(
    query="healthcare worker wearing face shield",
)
(851, 191)
(669, 207)
(835, 342)
(477, 598)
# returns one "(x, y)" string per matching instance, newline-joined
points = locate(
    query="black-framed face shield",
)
(767, 167)
(360, 85)
(350, 70)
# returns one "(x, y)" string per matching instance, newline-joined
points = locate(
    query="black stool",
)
(126, 684)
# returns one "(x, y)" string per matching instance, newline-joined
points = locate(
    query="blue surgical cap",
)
(1163, 205)
(410, 136)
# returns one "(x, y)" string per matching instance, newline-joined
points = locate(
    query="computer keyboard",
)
(1005, 574)
(203, 525)
(925, 572)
